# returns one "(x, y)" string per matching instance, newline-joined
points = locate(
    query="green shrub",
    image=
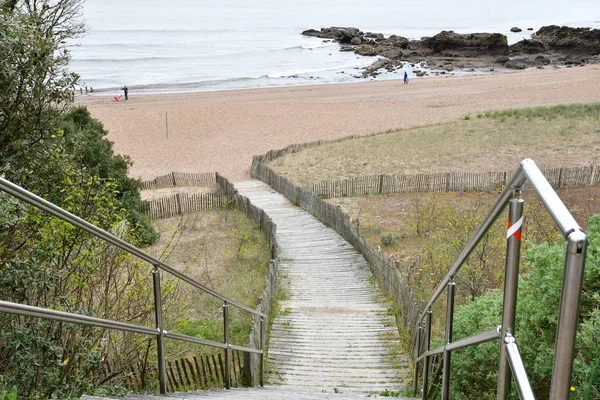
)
(389, 239)
(475, 368)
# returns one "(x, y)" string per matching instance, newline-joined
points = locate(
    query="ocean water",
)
(181, 45)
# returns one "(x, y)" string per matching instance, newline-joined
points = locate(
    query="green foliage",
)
(394, 393)
(389, 239)
(11, 394)
(538, 302)
(84, 140)
(570, 111)
(35, 83)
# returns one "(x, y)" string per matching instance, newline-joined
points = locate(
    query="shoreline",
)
(111, 92)
(220, 131)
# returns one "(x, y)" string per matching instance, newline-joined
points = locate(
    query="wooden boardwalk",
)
(333, 333)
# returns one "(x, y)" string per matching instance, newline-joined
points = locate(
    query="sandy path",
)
(221, 131)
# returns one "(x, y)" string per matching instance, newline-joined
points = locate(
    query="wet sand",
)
(221, 131)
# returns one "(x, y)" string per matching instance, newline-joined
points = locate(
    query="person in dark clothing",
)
(125, 90)
(405, 80)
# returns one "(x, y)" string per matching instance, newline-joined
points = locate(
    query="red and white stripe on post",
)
(514, 229)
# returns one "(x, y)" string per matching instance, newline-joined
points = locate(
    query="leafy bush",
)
(84, 140)
(389, 239)
(475, 369)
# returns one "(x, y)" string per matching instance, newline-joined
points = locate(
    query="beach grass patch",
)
(559, 136)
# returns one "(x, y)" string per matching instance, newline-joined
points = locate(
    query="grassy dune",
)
(224, 250)
(552, 136)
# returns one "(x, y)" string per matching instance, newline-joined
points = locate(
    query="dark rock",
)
(371, 69)
(502, 60)
(392, 54)
(366, 50)
(398, 41)
(419, 73)
(355, 40)
(542, 59)
(528, 46)
(520, 63)
(516, 29)
(580, 40)
(347, 48)
(341, 34)
(529, 29)
(476, 43)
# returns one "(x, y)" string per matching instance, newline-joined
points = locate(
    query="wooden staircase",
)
(334, 331)
(333, 337)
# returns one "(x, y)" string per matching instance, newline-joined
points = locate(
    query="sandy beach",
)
(221, 131)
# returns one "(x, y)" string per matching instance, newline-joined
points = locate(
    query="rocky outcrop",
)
(471, 44)
(521, 63)
(528, 46)
(574, 40)
(340, 34)
(448, 50)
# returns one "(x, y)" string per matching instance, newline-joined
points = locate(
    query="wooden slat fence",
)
(382, 266)
(203, 371)
(183, 203)
(266, 301)
(176, 179)
(446, 182)
(183, 374)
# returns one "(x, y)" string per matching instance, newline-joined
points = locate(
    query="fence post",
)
(560, 174)
(178, 198)
(262, 355)
(427, 361)
(511, 279)
(227, 375)
(447, 354)
(162, 371)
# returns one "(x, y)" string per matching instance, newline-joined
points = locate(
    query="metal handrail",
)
(517, 368)
(50, 208)
(159, 332)
(569, 306)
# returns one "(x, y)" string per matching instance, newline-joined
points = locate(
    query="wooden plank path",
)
(333, 333)
(256, 393)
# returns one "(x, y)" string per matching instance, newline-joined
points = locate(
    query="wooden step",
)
(335, 331)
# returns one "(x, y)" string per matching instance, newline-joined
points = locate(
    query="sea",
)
(198, 45)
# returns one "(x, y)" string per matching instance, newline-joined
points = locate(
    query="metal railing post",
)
(160, 339)
(568, 315)
(262, 355)
(517, 368)
(416, 366)
(447, 354)
(427, 360)
(227, 350)
(511, 280)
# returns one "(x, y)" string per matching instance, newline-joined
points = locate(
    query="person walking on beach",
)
(125, 90)
(405, 79)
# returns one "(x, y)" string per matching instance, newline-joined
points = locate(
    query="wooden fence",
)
(183, 374)
(382, 266)
(175, 179)
(446, 182)
(183, 203)
(226, 194)
(266, 301)
(202, 372)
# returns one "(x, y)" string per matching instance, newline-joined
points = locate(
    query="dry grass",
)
(225, 251)
(396, 215)
(553, 136)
